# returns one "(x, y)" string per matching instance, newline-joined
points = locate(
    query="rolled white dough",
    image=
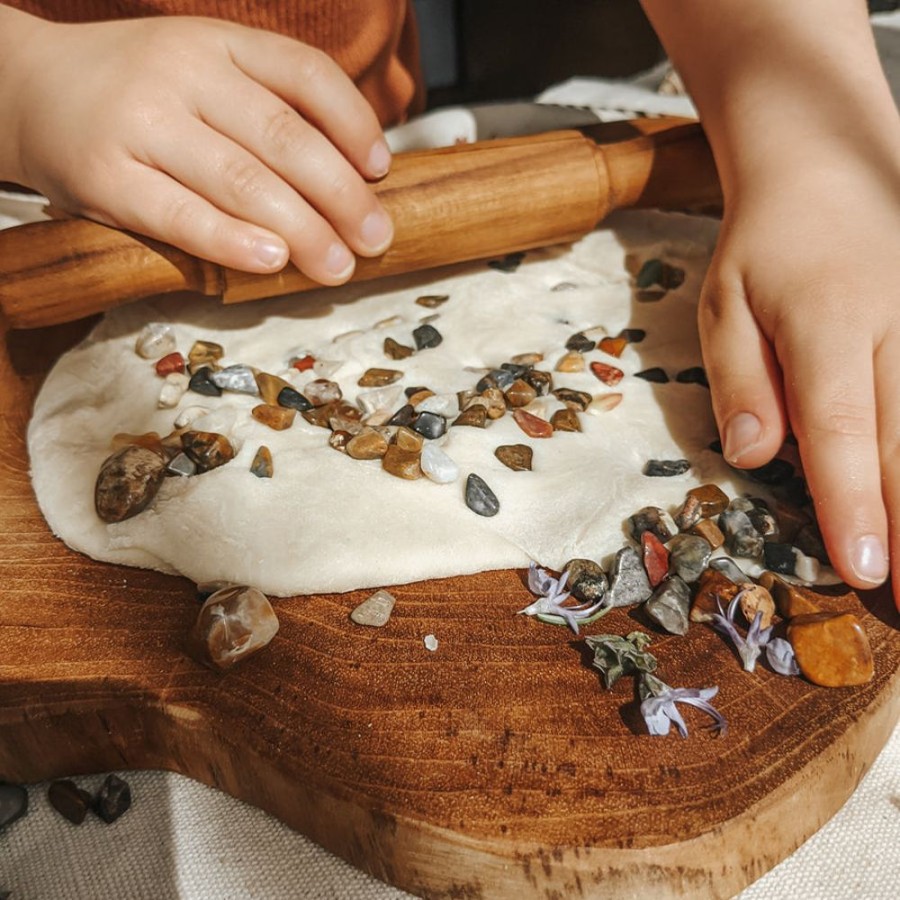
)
(326, 522)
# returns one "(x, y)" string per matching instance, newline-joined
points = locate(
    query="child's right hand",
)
(240, 146)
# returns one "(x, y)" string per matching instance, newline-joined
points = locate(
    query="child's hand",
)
(237, 145)
(800, 321)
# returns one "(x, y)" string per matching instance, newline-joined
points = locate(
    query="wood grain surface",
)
(495, 767)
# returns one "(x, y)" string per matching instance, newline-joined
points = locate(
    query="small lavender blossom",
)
(748, 648)
(659, 706)
(780, 656)
(551, 599)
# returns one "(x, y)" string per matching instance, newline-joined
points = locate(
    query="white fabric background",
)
(184, 841)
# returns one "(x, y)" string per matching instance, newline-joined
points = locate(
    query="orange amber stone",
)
(613, 345)
(832, 649)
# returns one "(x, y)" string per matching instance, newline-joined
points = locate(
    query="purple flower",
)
(780, 655)
(748, 648)
(549, 607)
(659, 706)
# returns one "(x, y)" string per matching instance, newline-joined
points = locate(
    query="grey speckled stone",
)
(728, 568)
(587, 580)
(628, 580)
(375, 611)
(741, 538)
(689, 556)
(670, 605)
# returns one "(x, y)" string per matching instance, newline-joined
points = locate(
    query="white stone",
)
(389, 322)
(603, 403)
(437, 465)
(806, 567)
(383, 398)
(325, 368)
(374, 611)
(446, 405)
(238, 378)
(155, 341)
(431, 642)
(173, 390)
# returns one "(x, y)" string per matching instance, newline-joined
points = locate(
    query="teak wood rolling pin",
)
(461, 203)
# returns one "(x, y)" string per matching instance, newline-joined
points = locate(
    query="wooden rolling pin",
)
(467, 202)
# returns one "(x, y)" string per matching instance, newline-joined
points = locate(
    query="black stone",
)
(776, 471)
(113, 799)
(633, 335)
(580, 342)
(69, 800)
(496, 378)
(516, 370)
(201, 383)
(291, 399)
(793, 491)
(716, 446)
(430, 425)
(508, 263)
(13, 803)
(665, 468)
(780, 558)
(809, 541)
(480, 498)
(406, 415)
(656, 375)
(655, 272)
(694, 375)
(426, 337)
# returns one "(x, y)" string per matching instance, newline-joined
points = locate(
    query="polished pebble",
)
(499, 379)
(578, 400)
(13, 803)
(670, 606)
(69, 800)
(395, 350)
(276, 417)
(656, 375)
(532, 425)
(429, 425)
(204, 353)
(437, 466)
(201, 383)
(338, 440)
(474, 416)
(173, 389)
(633, 335)
(480, 498)
(573, 361)
(753, 599)
(710, 532)
(565, 420)
(155, 340)
(372, 378)
(587, 581)
(609, 375)
(729, 568)
(402, 463)
(322, 391)
(655, 520)
(113, 799)
(172, 362)
(406, 415)
(303, 363)
(613, 346)
(694, 375)
(182, 465)
(426, 336)
(741, 538)
(446, 405)
(374, 611)
(517, 457)
(239, 378)
(689, 556)
(407, 439)
(526, 359)
(655, 557)
(540, 380)
(714, 592)
(207, 448)
(628, 582)
(128, 482)
(665, 468)
(270, 386)
(291, 398)
(603, 403)
(262, 465)
(368, 444)
(432, 301)
(832, 649)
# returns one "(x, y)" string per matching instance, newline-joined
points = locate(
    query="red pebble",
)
(656, 557)
(174, 362)
(304, 363)
(607, 374)
(532, 425)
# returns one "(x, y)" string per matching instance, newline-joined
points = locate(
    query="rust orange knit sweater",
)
(374, 41)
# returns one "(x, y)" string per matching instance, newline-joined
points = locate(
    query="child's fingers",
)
(306, 161)
(887, 395)
(158, 206)
(239, 184)
(315, 85)
(829, 387)
(744, 377)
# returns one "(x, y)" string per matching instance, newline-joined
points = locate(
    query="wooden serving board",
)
(495, 767)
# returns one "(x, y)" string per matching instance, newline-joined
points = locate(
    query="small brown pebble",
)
(790, 601)
(527, 359)
(475, 416)
(379, 377)
(713, 500)
(270, 387)
(204, 353)
(710, 532)
(609, 375)
(494, 402)
(577, 400)
(402, 463)
(262, 466)
(832, 649)
(207, 448)
(320, 415)
(128, 482)
(714, 591)
(69, 800)
(276, 417)
(541, 381)
(613, 345)
(420, 395)
(533, 426)
(755, 598)
(689, 514)
(517, 457)
(233, 623)
(432, 301)
(520, 393)
(368, 444)
(407, 439)
(565, 420)
(339, 440)
(113, 799)
(394, 350)
(573, 361)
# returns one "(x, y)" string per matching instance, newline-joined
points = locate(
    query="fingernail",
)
(868, 559)
(339, 260)
(272, 254)
(742, 434)
(379, 159)
(376, 231)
